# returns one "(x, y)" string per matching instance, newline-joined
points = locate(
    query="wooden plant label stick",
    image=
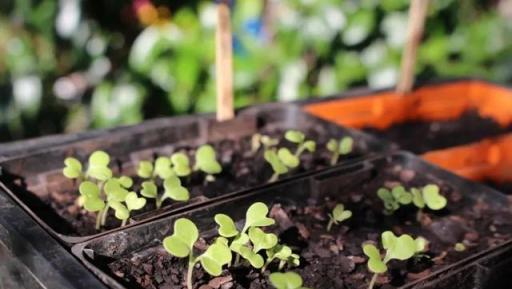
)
(224, 63)
(417, 16)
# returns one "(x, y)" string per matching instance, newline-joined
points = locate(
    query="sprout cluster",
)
(281, 159)
(246, 243)
(428, 196)
(100, 191)
(397, 248)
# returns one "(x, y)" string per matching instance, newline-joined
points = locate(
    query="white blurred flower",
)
(27, 92)
(383, 77)
(394, 26)
(68, 18)
(292, 76)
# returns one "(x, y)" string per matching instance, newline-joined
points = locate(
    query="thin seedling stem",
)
(372, 282)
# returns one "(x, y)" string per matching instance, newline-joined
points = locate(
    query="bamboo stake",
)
(417, 16)
(224, 63)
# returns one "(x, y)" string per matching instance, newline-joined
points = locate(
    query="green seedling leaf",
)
(401, 195)
(206, 160)
(390, 204)
(295, 136)
(261, 240)
(121, 212)
(332, 145)
(417, 198)
(375, 263)
(93, 204)
(340, 214)
(310, 146)
(280, 252)
(460, 247)
(181, 164)
(256, 216)
(346, 145)
(287, 158)
(98, 166)
(277, 166)
(145, 169)
(288, 280)
(388, 240)
(254, 259)
(433, 199)
(99, 158)
(163, 168)
(238, 242)
(149, 190)
(421, 244)
(227, 227)
(174, 190)
(269, 142)
(73, 168)
(216, 256)
(402, 248)
(125, 182)
(89, 189)
(181, 242)
(133, 202)
(114, 191)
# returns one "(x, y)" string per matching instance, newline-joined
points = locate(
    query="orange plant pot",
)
(429, 103)
(489, 159)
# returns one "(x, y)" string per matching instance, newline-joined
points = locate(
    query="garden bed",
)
(36, 180)
(474, 216)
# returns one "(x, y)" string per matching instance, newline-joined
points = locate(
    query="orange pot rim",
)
(383, 109)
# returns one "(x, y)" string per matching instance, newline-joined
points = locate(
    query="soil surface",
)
(241, 170)
(335, 259)
(503, 187)
(420, 137)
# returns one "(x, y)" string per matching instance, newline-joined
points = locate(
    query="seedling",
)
(428, 196)
(248, 242)
(97, 168)
(282, 160)
(173, 189)
(181, 244)
(169, 170)
(255, 218)
(460, 247)
(397, 248)
(339, 214)
(259, 140)
(206, 161)
(285, 256)
(100, 191)
(338, 148)
(288, 280)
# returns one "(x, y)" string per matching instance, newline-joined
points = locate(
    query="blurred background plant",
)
(69, 65)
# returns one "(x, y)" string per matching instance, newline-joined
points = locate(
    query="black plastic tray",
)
(338, 182)
(30, 176)
(30, 258)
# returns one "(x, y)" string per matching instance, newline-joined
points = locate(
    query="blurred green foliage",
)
(68, 65)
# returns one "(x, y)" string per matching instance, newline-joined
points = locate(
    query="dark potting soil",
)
(335, 259)
(503, 187)
(420, 137)
(241, 169)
